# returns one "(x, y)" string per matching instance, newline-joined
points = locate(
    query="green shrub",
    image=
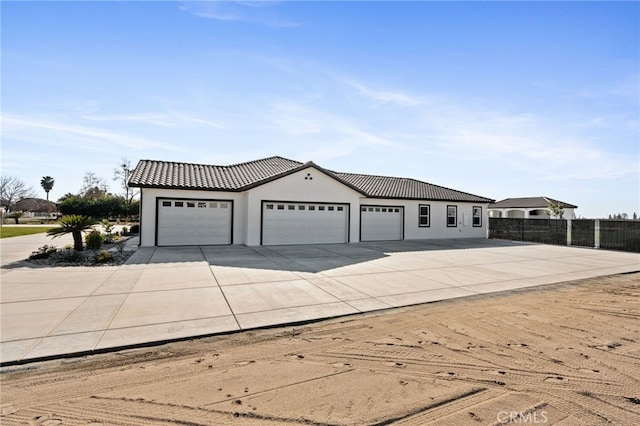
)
(103, 257)
(94, 240)
(125, 231)
(43, 252)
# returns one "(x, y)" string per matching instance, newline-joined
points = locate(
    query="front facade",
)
(275, 201)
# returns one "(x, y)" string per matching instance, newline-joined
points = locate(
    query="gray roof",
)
(243, 176)
(529, 203)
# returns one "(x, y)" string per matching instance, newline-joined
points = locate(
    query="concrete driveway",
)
(163, 294)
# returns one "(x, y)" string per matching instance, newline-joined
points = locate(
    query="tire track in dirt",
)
(569, 352)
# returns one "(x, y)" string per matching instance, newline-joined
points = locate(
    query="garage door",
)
(194, 222)
(304, 223)
(381, 223)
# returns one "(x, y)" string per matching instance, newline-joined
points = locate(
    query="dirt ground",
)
(564, 354)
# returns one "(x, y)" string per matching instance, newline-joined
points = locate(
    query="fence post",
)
(596, 237)
(568, 232)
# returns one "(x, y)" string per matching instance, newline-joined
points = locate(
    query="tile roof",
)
(529, 203)
(243, 176)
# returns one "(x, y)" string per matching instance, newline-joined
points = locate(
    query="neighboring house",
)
(279, 201)
(36, 207)
(530, 208)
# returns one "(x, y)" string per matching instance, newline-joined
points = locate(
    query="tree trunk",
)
(77, 241)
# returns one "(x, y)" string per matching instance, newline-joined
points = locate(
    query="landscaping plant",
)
(94, 240)
(43, 252)
(103, 257)
(73, 224)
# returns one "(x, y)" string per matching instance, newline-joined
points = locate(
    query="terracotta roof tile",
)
(529, 203)
(238, 177)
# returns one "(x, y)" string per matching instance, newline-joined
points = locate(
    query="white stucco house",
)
(275, 201)
(530, 208)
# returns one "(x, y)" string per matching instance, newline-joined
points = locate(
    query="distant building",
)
(530, 208)
(36, 207)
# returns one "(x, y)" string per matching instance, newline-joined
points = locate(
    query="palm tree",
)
(73, 224)
(47, 184)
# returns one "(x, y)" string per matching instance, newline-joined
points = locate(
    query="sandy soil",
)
(565, 354)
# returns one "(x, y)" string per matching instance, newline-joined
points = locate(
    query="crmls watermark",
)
(531, 417)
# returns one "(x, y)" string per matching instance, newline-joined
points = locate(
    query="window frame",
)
(479, 217)
(455, 216)
(420, 216)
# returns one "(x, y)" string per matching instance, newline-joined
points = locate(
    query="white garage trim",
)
(193, 221)
(296, 222)
(381, 223)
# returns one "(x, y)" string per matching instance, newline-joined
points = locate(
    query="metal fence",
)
(547, 231)
(620, 235)
(599, 233)
(583, 232)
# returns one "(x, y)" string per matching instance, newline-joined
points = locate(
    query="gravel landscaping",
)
(107, 255)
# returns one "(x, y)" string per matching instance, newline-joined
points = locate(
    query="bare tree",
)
(12, 190)
(93, 186)
(122, 173)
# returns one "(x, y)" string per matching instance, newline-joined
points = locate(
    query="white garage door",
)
(304, 223)
(194, 222)
(381, 223)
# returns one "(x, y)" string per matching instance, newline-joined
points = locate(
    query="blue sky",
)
(500, 99)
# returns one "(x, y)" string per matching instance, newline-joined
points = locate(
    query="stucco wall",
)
(438, 220)
(308, 185)
(311, 185)
(148, 206)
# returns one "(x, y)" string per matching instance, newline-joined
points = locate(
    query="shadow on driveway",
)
(302, 258)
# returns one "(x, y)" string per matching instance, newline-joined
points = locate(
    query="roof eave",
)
(297, 169)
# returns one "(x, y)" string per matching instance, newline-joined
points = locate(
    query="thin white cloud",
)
(173, 119)
(382, 97)
(255, 12)
(537, 147)
(61, 134)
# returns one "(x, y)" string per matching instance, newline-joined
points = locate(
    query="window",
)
(370, 209)
(301, 207)
(397, 210)
(178, 204)
(166, 204)
(340, 208)
(312, 207)
(269, 206)
(321, 208)
(331, 208)
(424, 215)
(213, 205)
(364, 209)
(202, 205)
(477, 216)
(452, 216)
(378, 209)
(280, 206)
(384, 210)
(291, 207)
(191, 204)
(223, 205)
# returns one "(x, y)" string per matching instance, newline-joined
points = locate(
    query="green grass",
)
(17, 231)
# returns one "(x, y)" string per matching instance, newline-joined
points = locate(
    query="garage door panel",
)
(381, 223)
(304, 223)
(194, 222)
